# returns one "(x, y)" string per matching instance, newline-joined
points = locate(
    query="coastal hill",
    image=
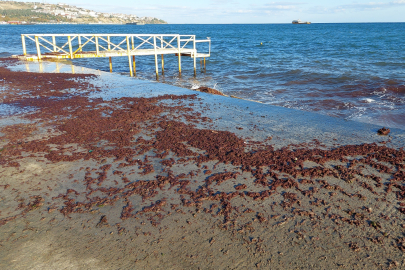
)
(36, 12)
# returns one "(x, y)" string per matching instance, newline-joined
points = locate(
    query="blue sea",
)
(353, 71)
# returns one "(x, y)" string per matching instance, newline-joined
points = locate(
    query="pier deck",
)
(71, 46)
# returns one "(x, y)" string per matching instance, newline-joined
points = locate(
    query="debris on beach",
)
(383, 131)
(205, 89)
(103, 222)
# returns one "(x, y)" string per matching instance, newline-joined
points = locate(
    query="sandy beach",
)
(102, 171)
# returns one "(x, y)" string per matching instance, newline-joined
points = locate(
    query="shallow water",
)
(350, 71)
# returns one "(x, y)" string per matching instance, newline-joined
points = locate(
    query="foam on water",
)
(369, 100)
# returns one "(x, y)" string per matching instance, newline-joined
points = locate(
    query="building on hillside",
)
(17, 22)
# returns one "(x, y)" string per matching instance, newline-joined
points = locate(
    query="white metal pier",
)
(62, 46)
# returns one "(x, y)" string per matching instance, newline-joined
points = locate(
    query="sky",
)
(251, 11)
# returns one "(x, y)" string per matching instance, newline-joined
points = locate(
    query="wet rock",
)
(209, 90)
(383, 131)
(103, 222)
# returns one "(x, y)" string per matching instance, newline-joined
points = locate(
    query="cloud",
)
(224, 2)
(370, 6)
(375, 5)
(279, 7)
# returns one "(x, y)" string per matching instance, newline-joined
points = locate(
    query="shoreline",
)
(364, 130)
(371, 91)
(111, 172)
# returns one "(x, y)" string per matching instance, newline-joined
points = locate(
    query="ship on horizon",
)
(300, 22)
(135, 23)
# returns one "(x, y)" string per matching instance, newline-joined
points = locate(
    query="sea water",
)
(352, 71)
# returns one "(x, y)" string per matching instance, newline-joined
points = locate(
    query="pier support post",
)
(163, 64)
(54, 43)
(179, 53)
(130, 66)
(70, 47)
(163, 60)
(23, 45)
(134, 63)
(133, 56)
(38, 48)
(195, 60)
(109, 48)
(97, 49)
(129, 58)
(195, 66)
(156, 58)
(80, 42)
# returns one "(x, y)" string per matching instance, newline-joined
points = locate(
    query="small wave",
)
(294, 71)
(368, 100)
(385, 64)
(357, 114)
(350, 105)
(5, 54)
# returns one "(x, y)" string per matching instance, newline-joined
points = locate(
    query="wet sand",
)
(116, 173)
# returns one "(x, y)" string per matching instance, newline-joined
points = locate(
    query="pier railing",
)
(111, 45)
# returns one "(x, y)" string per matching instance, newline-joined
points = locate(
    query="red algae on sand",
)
(295, 175)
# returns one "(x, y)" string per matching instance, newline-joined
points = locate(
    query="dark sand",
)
(153, 183)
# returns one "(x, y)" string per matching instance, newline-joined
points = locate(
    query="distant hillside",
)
(36, 12)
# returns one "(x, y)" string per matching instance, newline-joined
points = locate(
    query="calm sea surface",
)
(351, 71)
